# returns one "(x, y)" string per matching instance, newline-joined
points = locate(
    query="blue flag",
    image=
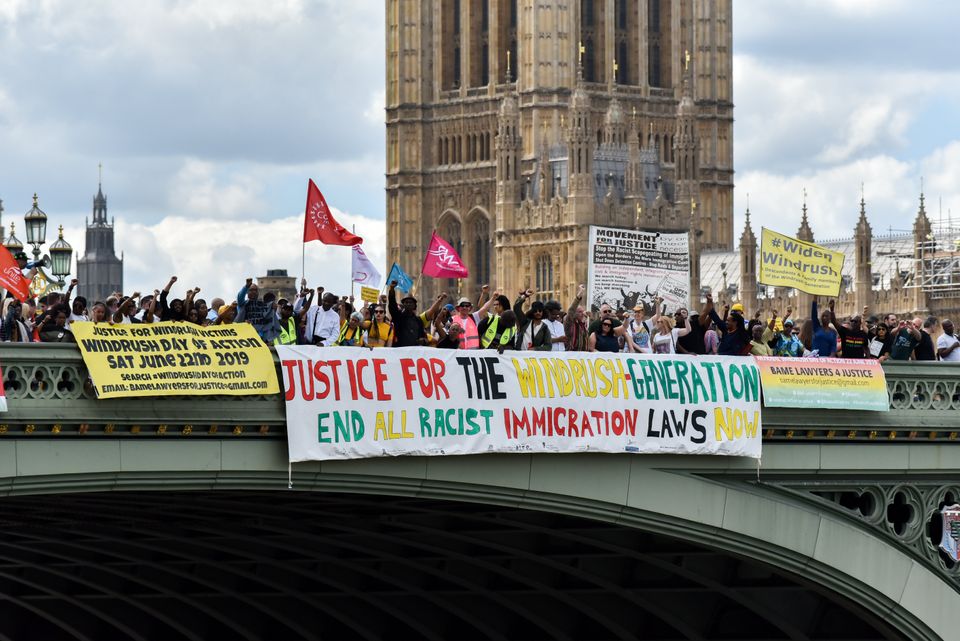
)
(404, 282)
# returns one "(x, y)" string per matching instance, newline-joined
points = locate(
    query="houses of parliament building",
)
(514, 125)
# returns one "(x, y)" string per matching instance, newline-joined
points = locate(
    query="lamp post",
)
(61, 251)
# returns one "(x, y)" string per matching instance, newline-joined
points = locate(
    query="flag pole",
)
(353, 230)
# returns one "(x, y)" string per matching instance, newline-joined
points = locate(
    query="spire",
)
(100, 205)
(921, 224)
(747, 238)
(805, 233)
(863, 225)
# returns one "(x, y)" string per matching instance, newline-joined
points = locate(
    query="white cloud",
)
(867, 125)
(220, 13)
(196, 190)
(891, 191)
(218, 255)
(378, 103)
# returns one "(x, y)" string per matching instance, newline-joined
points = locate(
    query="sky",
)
(209, 116)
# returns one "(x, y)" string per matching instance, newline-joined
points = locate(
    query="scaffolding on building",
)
(937, 262)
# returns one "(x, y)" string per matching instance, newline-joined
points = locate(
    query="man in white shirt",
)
(948, 346)
(554, 321)
(144, 306)
(323, 322)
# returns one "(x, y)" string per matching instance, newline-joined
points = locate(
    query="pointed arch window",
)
(481, 250)
(544, 277)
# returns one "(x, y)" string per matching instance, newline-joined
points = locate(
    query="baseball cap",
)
(464, 301)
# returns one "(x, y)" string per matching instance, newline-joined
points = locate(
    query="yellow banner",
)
(788, 262)
(173, 359)
(369, 294)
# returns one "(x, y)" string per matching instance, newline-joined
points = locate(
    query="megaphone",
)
(43, 262)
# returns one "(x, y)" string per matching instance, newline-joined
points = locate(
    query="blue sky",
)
(209, 116)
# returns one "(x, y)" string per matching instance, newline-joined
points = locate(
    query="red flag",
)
(11, 278)
(442, 260)
(319, 224)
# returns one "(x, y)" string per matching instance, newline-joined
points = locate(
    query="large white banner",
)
(628, 268)
(351, 402)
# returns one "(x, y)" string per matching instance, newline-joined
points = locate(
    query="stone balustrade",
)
(48, 394)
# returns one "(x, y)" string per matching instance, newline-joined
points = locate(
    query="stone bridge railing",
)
(48, 394)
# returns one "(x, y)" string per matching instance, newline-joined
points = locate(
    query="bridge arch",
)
(712, 505)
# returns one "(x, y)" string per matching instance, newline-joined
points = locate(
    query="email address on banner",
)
(173, 387)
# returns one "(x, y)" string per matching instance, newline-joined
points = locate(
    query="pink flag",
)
(442, 261)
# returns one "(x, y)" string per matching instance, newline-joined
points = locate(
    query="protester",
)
(508, 335)
(558, 336)
(711, 338)
(532, 332)
(824, 338)
(694, 342)
(759, 347)
(734, 338)
(451, 338)
(924, 351)
(575, 324)
(606, 311)
(53, 329)
(665, 340)
(261, 314)
(288, 326)
(853, 340)
(379, 330)
(948, 344)
(13, 328)
(408, 327)
(879, 336)
(491, 328)
(605, 338)
(638, 332)
(323, 321)
(351, 332)
(786, 343)
(469, 321)
(901, 345)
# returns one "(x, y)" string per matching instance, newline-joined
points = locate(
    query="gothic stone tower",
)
(99, 270)
(513, 125)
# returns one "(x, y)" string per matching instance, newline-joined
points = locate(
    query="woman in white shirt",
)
(638, 332)
(665, 340)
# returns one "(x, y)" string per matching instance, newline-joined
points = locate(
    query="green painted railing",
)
(48, 394)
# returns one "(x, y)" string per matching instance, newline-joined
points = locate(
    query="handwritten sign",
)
(158, 359)
(345, 403)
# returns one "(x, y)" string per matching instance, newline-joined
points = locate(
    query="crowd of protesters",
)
(319, 317)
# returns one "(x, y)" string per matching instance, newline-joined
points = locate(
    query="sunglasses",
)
(378, 312)
(607, 324)
(466, 305)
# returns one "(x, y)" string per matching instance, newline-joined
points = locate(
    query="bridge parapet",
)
(48, 393)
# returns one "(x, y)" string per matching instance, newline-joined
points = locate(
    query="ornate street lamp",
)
(61, 251)
(61, 255)
(36, 221)
(12, 242)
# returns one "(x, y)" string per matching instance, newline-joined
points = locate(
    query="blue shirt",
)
(824, 339)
